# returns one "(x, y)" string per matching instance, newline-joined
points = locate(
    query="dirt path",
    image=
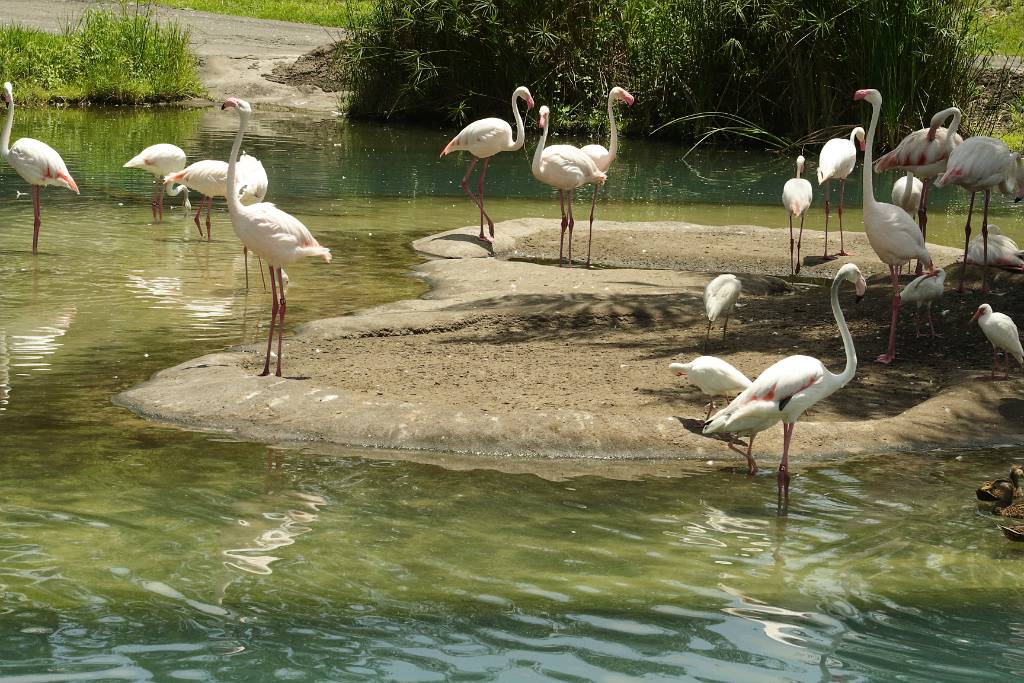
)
(234, 52)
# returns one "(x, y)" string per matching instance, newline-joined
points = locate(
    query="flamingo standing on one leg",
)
(720, 297)
(160, 160)
(269, 232)
(713, 376)
(1002, 333)
(604, 157)
(837, 159)
(796, 197)
(906, 194)
(483, 139)
(35, 161)
(890, 230)
(565, 168)
(980, 164)
(791, 386)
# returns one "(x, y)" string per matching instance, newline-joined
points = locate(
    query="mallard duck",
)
(985, 491)
(1006, 507)
(1014, 533)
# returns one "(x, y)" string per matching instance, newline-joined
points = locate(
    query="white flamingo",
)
(797, 194)
(720, 297)
(35, 161)
(789, 387)
(925, 153)
(160, 160)
(891, 231)
(906, 193)
(836, 162)
(981, 164)
(209, 178)
(713, 376)
(483, 139)
(1002, 333)
(1003, 252)
(923, 291)
(279, 238)
(564, 168)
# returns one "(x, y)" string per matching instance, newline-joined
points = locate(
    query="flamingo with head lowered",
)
(483, 139)
(160, 160)
(720, 297)
(713, 376)
(788, 388)
(836, 161)
(35, 161)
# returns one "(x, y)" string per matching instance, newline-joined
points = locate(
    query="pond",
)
(132, 551)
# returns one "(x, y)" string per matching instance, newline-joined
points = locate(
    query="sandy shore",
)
(510, 358)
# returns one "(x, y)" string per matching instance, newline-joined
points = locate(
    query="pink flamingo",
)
(980, 164)
(837, 160)
(209, 178)
(270, 233)
(564, 168)
(35, 161)
(483, 139)
(890, 230)
(789, 387)
(160, 160)
(797, 194)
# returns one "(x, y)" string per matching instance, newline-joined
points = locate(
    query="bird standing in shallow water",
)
(1002, 333)
(720, 297)
(160, 160)
(837, 160)
(796, 197)
(713, 376)
(35, 161)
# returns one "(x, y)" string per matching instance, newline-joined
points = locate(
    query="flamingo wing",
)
(40, 164)
(837, 159)
(567, 167)
(763, 402)
(159, 159)
(601, 156)
(1003, 333)
(252, 179)
(278, 236)
(980, 162)
(797, 195)
(482, 139)
(926, 158)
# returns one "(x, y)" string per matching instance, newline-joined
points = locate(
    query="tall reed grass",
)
(112, 57)
(788, 68)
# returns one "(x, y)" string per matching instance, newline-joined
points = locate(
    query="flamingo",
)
(923, 291)
(890, 230)
(1002, 250)
(209, 178)
(980, 164)
(565, 168)
(160, 160)
(1002, 334)
(483, 139)
(604, 157)
(268, 232)
(906, 193)
(796, 197)
(719, 299)
(925, 153)
(789, 387)
(713, 376)
(836, 161)
(38, 163)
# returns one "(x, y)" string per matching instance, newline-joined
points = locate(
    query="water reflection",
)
(26, 345)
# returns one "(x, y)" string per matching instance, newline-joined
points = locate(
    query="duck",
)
(1006, 506)
(987, 491)
(1014, 533)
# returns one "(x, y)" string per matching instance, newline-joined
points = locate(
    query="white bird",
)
(483, 139)
(209, 178)
(713, 376)
(891, 231)
(564, 168)
(981, 164)
(35, 161)
(796, 197)
(789, 387)
(279, 238)
(1002, 333)
(1002, 250)
(906, 193)
(923, 291)
(159, 159)
(836, 161)
(719, 299)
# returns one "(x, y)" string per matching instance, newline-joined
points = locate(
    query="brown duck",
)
(1014, 533)
(1006, 507)
(987, 493)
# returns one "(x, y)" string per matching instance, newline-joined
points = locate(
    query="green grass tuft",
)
(335, 13)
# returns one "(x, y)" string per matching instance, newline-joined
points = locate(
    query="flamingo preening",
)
(483, 139)
(564, 168)
(720, 297)
(604, 157)
(890, 230)
(1002, 251)
(981, 164)
(160, 160)
(836, 161)
(267, 231)
(789, 387)
(797, 194)
(1002, 334)
(906, 193)
(38, 163)
(713, 376)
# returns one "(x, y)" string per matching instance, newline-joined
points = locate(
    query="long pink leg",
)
(930, 325)
(245, 260)
(565, 224)
(995, 362)
(273, 319)
(209, 207)
(890, 355)
(153, 199)
(792, 268)
(787, 435)
(160, 195)
(37, 218)
(590, 237)
(483, 214)
(199, 210)
(799, 241)
(842, 188)
(707, 335)
(572, 222)
(922, 218)
(263, 280)
(984, 240)
(711, 406)
(280, 324)
(751, 463)
(828, 193)
(967, 239)
(464, 184)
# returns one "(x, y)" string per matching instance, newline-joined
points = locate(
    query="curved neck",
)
(613, 144)
(908, 189)
(868, 170)
(853, 137)
(537, 153)
(517, 144)
(234, 204)
(173, 190)
(5, 138)
(851, 353)
(952, 128)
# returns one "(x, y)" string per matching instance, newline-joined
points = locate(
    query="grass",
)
(335, 13)
(1005, 23)
(106, 57)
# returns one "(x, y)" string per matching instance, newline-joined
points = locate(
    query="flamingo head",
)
(524, 92)
(872, 96)
(242, 106)
(982, 311)
(850, 272)
(858, 133)
(542, 120)
(800, 161)
(680, 368)
(622, 95)
(8, 93)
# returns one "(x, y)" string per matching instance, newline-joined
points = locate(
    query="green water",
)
(130, 551)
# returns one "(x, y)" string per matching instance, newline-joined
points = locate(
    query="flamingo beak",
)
(931, 133)
(977, 314)
(860, 95)
(861, 143)
(529, 104)
(680, 374)
(629, 99)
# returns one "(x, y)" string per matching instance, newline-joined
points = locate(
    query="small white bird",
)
(836, 161)
(1002, 250)
(1002, 334)
(719, 299)
(906, 193)
(796, 197)
(159, 159)
(713, 376)
(922, 291)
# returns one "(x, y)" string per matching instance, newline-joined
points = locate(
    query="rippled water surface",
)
(130, 551)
